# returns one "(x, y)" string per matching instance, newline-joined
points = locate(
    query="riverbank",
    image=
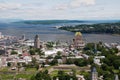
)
(106, 28)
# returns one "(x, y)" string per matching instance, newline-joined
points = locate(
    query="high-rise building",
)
(94, 74)
(78, 41)
(37, 42)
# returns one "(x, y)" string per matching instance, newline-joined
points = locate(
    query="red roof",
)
(25, 54)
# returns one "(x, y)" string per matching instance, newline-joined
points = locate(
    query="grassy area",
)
(4, 69)
(54, 73)
(31, 70)
(16, 76)
(6, 74)
(6, 77)
(25, 76)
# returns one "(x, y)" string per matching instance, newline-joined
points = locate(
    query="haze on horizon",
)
(60, 9)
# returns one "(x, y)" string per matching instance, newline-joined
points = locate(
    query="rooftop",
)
(78, 34)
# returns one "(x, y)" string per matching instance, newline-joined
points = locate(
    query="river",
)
(48, 32)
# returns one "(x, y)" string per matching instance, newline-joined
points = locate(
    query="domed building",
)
(78, 41)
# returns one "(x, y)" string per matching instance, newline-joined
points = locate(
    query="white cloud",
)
(9, 6)
(74, 4)
(64, 9)
(61, 7)
(78, 3)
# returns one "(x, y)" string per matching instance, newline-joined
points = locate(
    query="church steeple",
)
(116, 77)
(94, 74)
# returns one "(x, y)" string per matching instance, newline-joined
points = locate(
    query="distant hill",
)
(49, 21)
(64, 21)
(109, 28)
(9, 20)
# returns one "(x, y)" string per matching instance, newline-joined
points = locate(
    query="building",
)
(80, 77)
(97, 59)
(37, 42)
(116, 77)
(23, 37)
(78, 41)
(0, 34)
(94, 74)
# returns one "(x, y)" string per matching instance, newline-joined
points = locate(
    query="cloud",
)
(9, 6)
(58, 9)
(75, 4)
(61, 7)
(78, 3)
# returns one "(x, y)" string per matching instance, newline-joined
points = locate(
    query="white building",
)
(97, 59)
(52, 52)
(0, 35)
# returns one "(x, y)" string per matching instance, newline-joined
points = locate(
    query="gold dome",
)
(78, 34)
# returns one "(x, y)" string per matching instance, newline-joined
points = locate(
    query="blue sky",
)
(60, 9)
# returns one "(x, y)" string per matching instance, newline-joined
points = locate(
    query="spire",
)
(94, 74)
(116, 77)
(36, 36)
(94, 69)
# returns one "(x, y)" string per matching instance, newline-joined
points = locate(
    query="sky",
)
(60, 9)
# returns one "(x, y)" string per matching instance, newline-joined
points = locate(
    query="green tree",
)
(90, 60)
(8, 64)
(70, 61)
(54, 62)
(104, 67)
(41, 76)
(40, 53)
(59, 53)
(13, 52)
(80, 62)
(49, 45)
(46, 71)
(32, 52)
(49, 57)
(58, 57)
(116, 63)
(37, 66)
(34, 61)
(63, 76)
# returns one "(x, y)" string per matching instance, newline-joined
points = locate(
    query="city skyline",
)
(60, 9)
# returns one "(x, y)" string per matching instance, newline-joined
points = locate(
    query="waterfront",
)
(48, 32)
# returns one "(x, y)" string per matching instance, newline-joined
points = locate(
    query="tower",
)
(23, 37)
(78, 42)
(94, 74)
(116, 77)
(37, 42)
(0, 35)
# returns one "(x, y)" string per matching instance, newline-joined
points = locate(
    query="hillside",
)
(49, 21)
(110, 28)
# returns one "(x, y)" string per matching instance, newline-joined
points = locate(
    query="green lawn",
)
(31, 70)
(6, 77)
(54, 73)
(25, 76)
(7, 74)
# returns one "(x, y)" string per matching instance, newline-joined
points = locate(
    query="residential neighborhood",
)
(77, 60)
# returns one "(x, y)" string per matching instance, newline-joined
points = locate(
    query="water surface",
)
(49, 33)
